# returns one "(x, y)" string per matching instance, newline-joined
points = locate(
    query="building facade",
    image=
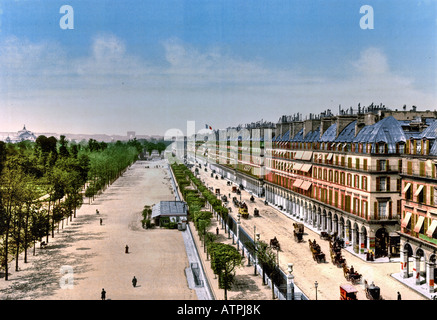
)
(366, 175)
(419, 208)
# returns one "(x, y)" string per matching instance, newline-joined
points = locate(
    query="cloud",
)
(112, 89)
(372, 62)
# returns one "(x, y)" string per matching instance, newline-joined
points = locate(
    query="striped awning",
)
(297, 183)
(431, 228)
(406, 219)
(306, 167)
(419, 190)
(305, 185)
(419, 224)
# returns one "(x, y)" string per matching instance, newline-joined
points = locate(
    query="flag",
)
(208, 127)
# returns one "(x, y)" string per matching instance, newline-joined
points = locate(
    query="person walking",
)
(101, 221)
(103, 294)
(399, 296)
(134, 282)
(126, 249)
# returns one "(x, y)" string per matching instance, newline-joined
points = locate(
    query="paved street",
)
(273, 223)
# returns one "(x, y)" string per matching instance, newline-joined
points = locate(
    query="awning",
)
(298, 155)
(306, 167)
(329, 157)
(307, 155)
(431, 228)
(419, 224)
(406, 219)
(305, 185)
(297, 183)
(419, 190)
(407, 187)
(297, 166)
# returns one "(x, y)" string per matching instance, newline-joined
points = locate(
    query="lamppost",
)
(290, 283)
(316, 285)
(255, 258)
(238, 231)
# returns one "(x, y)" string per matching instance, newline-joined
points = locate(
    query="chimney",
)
(325, 124)
(310, 125)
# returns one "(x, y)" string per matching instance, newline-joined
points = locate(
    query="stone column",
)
(416, 269)
(430, 276)
(290, 283)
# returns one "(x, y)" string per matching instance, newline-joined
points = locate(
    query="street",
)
(272, 223)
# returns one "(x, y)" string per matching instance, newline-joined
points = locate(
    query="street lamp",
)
(255, 259)
(238, 232)
(316, 285)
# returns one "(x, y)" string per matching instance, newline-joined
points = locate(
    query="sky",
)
(152, 65)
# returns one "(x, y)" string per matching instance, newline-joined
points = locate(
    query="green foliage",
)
(57, 170)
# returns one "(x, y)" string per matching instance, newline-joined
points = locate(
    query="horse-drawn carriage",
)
(234, 189)
(217, 191)
(316, 251)
(298, 231)
(242, 210)
(274, 243)
(351, 275)
(372, 292)
(325, 236)
(348, 292)
(336, 256)
(224, 198)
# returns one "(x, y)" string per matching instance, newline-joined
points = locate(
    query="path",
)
(96, 253)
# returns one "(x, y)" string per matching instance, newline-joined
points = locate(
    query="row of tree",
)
(225, 258)
(42, 183)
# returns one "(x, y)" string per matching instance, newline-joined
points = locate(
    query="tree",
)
(11, 180)
(224, 260)
(267, 260)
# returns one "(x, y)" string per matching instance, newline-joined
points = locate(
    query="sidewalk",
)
(408, 282)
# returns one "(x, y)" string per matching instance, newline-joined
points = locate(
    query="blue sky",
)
(150, 66)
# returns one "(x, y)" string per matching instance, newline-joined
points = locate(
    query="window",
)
(382, 185)
(382, 210)
(381, 165)
(364, 183)
(357, 163)
(365, 164)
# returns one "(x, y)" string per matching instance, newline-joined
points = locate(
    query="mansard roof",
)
(330, 134)
(348, 133)
(312, 136)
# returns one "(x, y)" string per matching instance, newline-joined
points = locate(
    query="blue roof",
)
(348, 133)
(387, 130)
(330, 134)
(298, 137)
(430, 132)
(312, 136)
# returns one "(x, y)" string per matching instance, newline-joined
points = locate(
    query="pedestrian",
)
(103, 294)
(399, 296)
(134, 282)
(97, 211)
(101, 221)
(217, 230)
(126, 249)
